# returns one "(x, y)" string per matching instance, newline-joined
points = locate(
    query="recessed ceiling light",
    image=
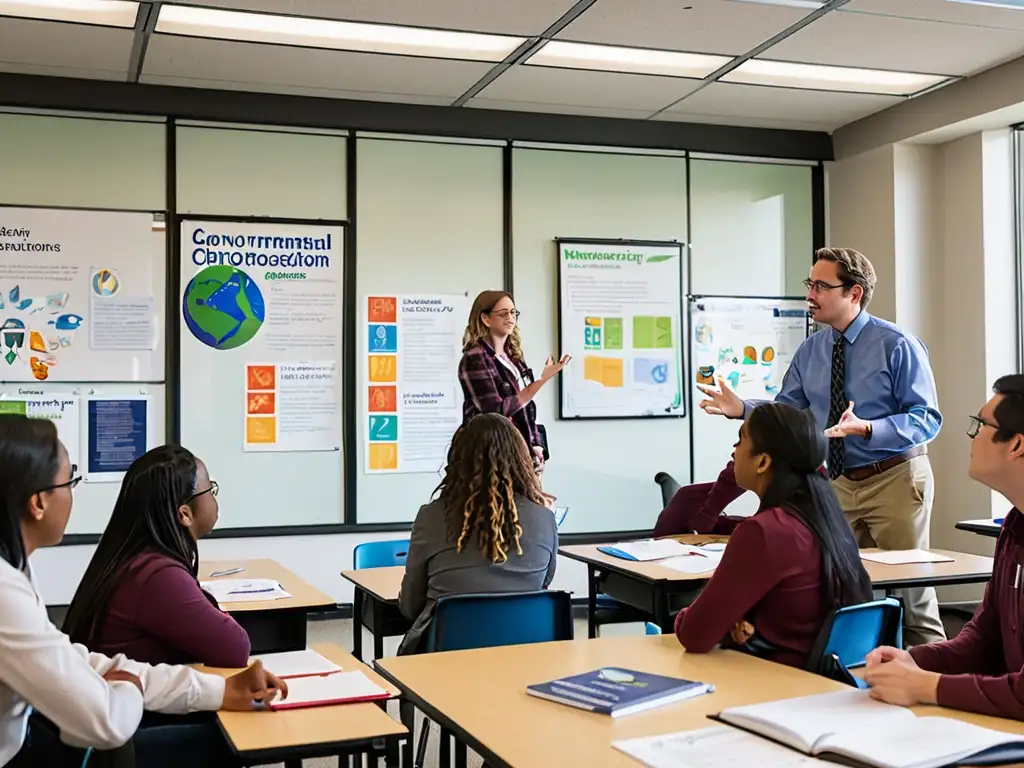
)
(338, 35)
(793, 75)
(633, 60)
(107, 13)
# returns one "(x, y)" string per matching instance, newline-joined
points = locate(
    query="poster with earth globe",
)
(261, 332)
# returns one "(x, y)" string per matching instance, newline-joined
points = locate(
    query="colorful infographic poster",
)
(619, 312)
(291, 407)
(412, 396)
(77, 296)
(63, 410)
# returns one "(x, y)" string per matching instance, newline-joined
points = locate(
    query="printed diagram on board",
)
(749, 365)
(37, 329)
(651, 339)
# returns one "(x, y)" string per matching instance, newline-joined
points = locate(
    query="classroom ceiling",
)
(798, 64)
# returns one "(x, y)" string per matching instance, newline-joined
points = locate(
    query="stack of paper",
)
(905, 557)
(325, 690)
(718, 747)
(699, 562)
(647, 549)
(244, 590)
(297, 664)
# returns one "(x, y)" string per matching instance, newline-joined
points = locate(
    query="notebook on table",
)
(327, 690)
(291, 664)
(648, 549)
(616, 692)
(833, 726)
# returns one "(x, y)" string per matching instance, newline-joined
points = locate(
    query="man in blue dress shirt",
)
(870, 386)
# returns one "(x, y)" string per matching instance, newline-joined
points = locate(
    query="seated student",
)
(140, 595)
(982, 668)
(698, 508)
(790, 564)
(94, 700)
(487, 531)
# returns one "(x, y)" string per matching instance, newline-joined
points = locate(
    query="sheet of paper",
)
(653, 549)
(715, 747)
(296, 663)
(905, 557)
(244, 590)
(329, 689)
(694, 563)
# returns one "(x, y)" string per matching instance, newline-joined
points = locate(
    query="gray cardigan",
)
(434, 568)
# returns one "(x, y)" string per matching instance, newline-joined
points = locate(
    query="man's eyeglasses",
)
(820, 286)
(504, 314)
(976, 424)
(72, 483)
(213, 489)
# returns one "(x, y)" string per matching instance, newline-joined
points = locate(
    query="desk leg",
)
(445, 757)
(292, 764)
(407, 714)
(378, 623)
(391, 757)
(461, 754)
(357, 623)
(662, 610)
(592, 601)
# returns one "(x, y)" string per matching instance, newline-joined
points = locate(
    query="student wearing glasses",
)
(93, 700)
(140, 595)
(871, 388)
(493, 371)
(982, 668)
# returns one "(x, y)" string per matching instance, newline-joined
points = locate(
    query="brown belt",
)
(863, 473)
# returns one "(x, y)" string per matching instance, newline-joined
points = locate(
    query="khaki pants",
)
(893, 510)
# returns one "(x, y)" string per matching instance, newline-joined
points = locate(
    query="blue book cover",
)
(616, 692)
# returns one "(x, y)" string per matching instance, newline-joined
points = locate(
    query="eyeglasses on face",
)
(976, 423)
(214, 489)
(504, 314)
(820, 286)
(72, 483)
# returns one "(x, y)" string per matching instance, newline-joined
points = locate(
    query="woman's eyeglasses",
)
(504, 314)
(214, 489)
(72, 483)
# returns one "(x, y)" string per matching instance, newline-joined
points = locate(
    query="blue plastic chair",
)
(851, 633)
(650, 628)
(380, 554)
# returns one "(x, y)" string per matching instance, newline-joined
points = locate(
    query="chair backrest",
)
(669, 486)
(650, 628)
(380, 554)
(504, 618)
(851, 633)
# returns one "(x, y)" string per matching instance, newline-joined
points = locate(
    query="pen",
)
(228, 572)
(1016, 579)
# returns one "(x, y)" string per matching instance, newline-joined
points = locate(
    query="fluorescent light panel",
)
(642, 61)
(811, 5)
(107, 13)
(1016, 5)
(336, 35)
(851, 79)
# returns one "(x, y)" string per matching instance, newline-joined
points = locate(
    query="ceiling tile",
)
(273, 67)
(584, 88)
(58, 45)
(743, 122)
(558, 109)
(709, 26)
(761, 103)
(509, 17)
(942, 10)
(908, 45)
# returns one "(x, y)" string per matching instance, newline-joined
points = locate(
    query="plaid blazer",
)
(488, 386)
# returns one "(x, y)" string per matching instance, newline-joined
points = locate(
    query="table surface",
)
(303, 595)
(382, 583)
(266, 730)
(469, 687)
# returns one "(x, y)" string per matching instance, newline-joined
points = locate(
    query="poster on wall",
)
(262, 312)
(749, 342)
(118, 431)
(60, 408)
(620, 317)
(77, 296)
(413, 399)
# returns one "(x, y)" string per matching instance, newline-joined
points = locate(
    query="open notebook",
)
(316, 681)
(833, 725)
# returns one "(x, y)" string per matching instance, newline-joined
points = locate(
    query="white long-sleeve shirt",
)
(40, 667)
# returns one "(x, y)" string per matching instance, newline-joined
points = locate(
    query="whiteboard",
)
(620, 318)
(261, 357)
(81, 296)
(750, 342)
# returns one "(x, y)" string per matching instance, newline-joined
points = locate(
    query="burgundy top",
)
(698, 508)
(158, 614)
(770, 576)
(983, 666)
(489, 386)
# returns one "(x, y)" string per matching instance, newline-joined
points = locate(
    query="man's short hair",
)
(1009, 411)
(853, 269)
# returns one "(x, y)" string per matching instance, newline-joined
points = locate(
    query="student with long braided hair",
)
(140, 595)
(487, 530)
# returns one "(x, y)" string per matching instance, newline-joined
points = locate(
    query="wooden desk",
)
(660, 591)
(261, 737)
(980, 527)
(463, 690)
(273, 625)
(375, 606)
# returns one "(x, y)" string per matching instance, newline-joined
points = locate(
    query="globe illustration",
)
(223, 307)
(105, 283)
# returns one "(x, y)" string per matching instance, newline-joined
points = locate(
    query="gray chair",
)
(669, 486)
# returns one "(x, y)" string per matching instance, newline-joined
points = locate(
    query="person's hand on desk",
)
(722, 401)
(850, 425)
(243, 691)
(895, 678)
(121, 676)
(741, 632)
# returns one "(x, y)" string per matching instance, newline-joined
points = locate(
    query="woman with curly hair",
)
(487, 530)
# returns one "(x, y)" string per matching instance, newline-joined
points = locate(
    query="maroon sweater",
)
(983, 666)
(770, 576)
(158, 614)
(698, 508)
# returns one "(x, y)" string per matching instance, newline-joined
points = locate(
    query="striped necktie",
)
(837, 405)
